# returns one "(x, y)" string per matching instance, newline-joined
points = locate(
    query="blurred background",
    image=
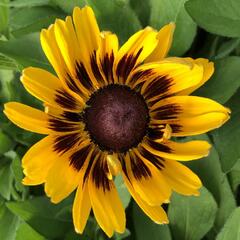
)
(204, 28)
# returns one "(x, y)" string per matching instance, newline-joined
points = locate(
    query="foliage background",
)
(205, 28)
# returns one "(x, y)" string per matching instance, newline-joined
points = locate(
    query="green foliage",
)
(6, 181)
(69, 5)
(204, 28)
(166, 11)
(42, 216)
(16, 49)
(26, 232)
(25, 3)
(235, 176)
(6, 143)
(8, 63)
(142, 9)
(41, 17)
(218, 16)
(230, 230)
(192, 217)
(229, 135)
(227, 69)
(145, 227)
(4, 15)
(106, 12)
(8, 223)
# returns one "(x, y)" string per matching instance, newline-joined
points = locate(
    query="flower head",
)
(113, 111)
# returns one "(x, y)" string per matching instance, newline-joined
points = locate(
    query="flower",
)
(113, 111)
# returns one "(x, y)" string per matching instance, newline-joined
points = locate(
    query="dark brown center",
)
(116, 118)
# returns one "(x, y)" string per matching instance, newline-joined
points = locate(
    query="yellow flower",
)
(112, 111)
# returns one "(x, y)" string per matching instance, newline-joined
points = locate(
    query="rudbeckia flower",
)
(114, 110)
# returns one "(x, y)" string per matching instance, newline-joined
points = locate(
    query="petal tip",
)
(172, 25)
(6, 105)
(196, 194)
(25, 181)
(208, 148)
(162, 222)
(78, 230)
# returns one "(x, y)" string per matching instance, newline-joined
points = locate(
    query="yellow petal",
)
(109, 44)
(53, 111)
(47, 88)
(82, 204)
(81, 207)
(51, 50)
(88, 35)
(67, 42)
(32, 181)
(189, 106)
(208, 70)
(99, 208)
(133, 52)
(72, 53)
(26, 117)
(54, 55)
(147, 180)
(198, 124)
(156, 213)
(107, 209)
(41, 84)
(105, 201)
(62, 179)
(189, 115)
(87, 30)
(38, 160)
(181, 178)
(178, 151)
(165, 37)
(106, 55)
(165, 78)
(114, 165)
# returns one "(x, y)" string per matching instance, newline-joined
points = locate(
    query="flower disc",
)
(116, 118)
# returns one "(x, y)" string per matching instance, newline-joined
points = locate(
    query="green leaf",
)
(26, 3)
(192, 217)
(68, 6)
(227, 48)
(210, 172)
(28, 20)
(6, 177)
(122, 191)
(229, 135)
(226, 205)
(165, 11)
(116, 16)
(42, 216)
(18, 174)
(4, 15)
(74, 236)
(219, 16)
(8, 63)
(225, 81)
(145, 227)
(142, 9)
(89, 232)
(5, 143)
(231, 230)
(121, 236)
(26, 51)
(8, 224)
(235, 176)
(6, 77)
(27, 233)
